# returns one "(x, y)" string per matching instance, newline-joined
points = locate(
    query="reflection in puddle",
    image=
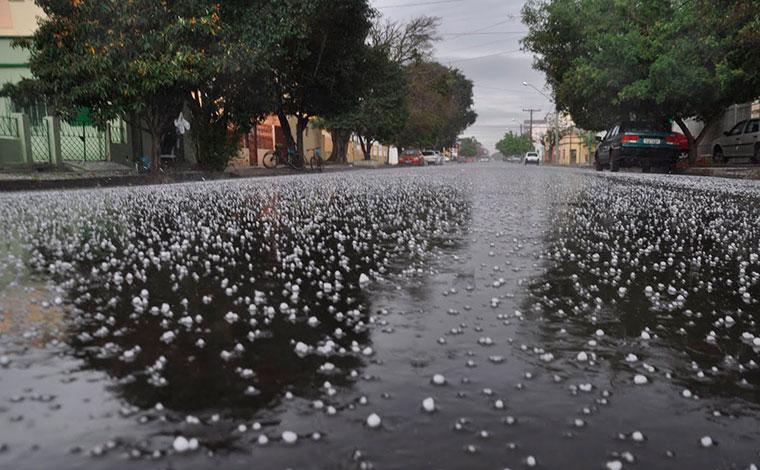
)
(666, 280)
(225, 298)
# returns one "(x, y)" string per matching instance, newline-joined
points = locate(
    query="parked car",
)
(484, 159)
(432, 157)
(411, 157)
(741, 141)
(644, 144)
(532, 158)
(513, 159)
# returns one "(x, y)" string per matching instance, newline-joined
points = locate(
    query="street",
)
(482, 316)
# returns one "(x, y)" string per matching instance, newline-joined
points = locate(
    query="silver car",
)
(432, 157)
(532, 158)
(743, 141)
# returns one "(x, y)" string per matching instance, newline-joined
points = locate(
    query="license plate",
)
(652, 141)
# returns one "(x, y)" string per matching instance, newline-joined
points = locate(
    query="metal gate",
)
(83, 143)
(40, 137)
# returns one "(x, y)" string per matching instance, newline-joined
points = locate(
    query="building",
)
(537, 131)
(576, 148)
(32, 136)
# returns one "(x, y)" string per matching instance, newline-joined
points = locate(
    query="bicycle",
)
(292, 159)
(316, 163)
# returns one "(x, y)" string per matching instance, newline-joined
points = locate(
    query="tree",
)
(648, 59)
(469, 147)
(406, 43)
(380, 114)
(513, 144)
(440, 103)
(137, 60)
(316, 71)
(400, 44)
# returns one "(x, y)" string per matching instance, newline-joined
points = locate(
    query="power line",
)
(404, 5)
(475, 46)
(484, 56)
(481, 29)
(485, 33)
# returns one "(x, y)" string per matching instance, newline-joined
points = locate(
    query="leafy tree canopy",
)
(608, 61)
(469, 147)
(440, 103)
(514, 144)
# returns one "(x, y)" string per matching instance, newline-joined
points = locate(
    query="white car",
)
(432, 157)
(532, 158)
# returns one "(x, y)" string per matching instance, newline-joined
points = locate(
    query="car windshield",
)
(428, 153)
(410, 152)
(532, 154)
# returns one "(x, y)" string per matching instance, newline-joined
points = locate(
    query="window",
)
(753, 127)
(737, 129)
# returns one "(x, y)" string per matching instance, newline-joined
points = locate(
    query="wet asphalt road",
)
(479, 316)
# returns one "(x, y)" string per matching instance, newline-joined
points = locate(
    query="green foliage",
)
(381, 113)
(469, 147)
(607, 61)
(440, 103)
(513, 144)
(315, 71)
(120, 59)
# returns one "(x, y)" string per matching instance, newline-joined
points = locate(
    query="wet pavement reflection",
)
(489, 316)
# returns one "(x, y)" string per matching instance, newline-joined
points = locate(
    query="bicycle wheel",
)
(270, 159)
(317, 164)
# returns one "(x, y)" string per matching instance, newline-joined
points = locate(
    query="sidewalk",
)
(735, 172)
(55, 179)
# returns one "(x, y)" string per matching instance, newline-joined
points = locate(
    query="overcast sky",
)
(482, 38)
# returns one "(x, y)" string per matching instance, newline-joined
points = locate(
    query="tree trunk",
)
(366, 147)
(303, 121)
(155, 149)
(694, 142)
(285, 125)
(340, 139)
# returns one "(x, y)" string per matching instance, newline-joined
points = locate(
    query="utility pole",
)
(531, 111)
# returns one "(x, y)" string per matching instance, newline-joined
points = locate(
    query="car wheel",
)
(614, 163)
(719, 156)
(756, 155)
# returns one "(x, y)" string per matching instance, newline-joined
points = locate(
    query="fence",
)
(40, 139)
(9, 127)
(83, 143)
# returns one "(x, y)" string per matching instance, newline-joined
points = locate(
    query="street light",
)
(556, 114)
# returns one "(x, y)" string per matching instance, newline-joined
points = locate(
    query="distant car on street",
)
(532, 158)
(743, 140)
(411, 157)
(644, 144)
(433, 157)
(484, 159)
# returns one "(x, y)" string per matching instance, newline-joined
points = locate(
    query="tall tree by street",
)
(607, 62)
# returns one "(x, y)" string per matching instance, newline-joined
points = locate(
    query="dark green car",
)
(640, 144)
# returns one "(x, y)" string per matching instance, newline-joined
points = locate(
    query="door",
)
(608, 144)
(733, 139)
(603, 151)
(749, 138)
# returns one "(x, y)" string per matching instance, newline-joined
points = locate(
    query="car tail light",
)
(630, 139)
(678, 139)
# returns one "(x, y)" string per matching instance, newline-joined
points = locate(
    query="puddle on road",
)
(506, 323)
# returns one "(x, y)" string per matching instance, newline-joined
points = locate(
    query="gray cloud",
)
(482, 39)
